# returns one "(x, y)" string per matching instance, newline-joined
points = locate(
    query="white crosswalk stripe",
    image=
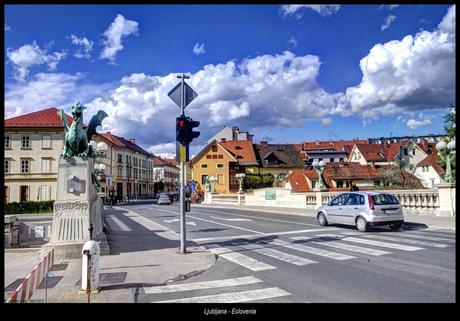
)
(376, 243)
(293, 259)
(117, 224)
(343, 246)
(431, 238)
(233, 297)
(401, 239)
(239, 258)
(312, 250)
(202, 285)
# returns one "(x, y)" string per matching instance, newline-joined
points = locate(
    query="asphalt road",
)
(269, 257)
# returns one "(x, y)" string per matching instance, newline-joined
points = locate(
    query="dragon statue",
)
(77, 138)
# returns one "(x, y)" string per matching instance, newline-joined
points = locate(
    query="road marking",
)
(190, 223)
(343, 246)
(256, 217)
(289, 258)
(231, 237)
(234, 297)
(170, 221)
(232, 219)
(202, 285)
(376, 243)
(239, 258)
(312, 250)
(119, 224)
(431, 238)
(401, 239)
(166, 233)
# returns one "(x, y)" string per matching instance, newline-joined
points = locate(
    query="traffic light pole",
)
(183, 247)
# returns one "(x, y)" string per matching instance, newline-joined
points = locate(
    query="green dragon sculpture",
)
(77, 138)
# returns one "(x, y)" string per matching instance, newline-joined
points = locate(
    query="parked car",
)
(163, 199)
(362, 209)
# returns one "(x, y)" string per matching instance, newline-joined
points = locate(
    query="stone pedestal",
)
(446, 199)
(77, 204)
(239, 193)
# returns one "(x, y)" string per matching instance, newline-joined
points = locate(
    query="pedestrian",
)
(353, 187)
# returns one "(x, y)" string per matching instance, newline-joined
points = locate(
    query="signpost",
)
(182, 94)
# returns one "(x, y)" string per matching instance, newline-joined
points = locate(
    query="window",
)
(405, 152)
(25, 166)
(214, 156)
(119, 171)
(46, 141)
(120, 158)
(220, 179)
(413, 152)
(313, 184)
(238, 147)
(221, 157)
(331, 160)
(214, 148)
(7, 142)
(339, 200)
(208, 156)
(339, 184)
(46, 165)
(281, 176)
(204, 165)
(341, 160)
(45, 193)
(204, 178)
(7, 166)
(353, 199)
(220, 165)
(384, 199)
(25, 142)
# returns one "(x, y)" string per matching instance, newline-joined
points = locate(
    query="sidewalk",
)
(432, 222)
(141, 254)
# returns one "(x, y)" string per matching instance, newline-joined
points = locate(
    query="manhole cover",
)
(14, 285)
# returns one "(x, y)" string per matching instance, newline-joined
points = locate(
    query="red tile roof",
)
(121, 142)
(298, 179)
(241, 149)
(42, 118)
(158, 161)
(432, 160)
(393, 149)
(373, 152)
(332, 144)
(173, 161)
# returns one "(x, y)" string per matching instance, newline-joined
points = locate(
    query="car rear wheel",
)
(361, 224)
(322, 219)
(395, 226)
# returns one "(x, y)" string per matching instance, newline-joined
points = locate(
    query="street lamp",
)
(319, 167)
(240, 177)
(213, 179)
(446, 152)
(128, 171)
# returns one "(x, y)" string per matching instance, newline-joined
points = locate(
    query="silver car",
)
(362, 209)
(163, 199)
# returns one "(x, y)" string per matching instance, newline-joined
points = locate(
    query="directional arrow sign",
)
(177, 93)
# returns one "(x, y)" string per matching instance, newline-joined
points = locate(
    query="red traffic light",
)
(181, 123)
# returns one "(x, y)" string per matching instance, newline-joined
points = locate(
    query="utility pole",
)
(183, 247)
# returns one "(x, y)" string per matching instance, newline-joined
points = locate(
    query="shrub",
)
(257, 181)
(29, 207)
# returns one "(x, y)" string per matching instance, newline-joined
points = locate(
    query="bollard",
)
(90, 267)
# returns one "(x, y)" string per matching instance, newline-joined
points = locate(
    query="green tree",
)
(450, 129)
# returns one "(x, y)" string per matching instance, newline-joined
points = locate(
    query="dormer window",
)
(238, 148)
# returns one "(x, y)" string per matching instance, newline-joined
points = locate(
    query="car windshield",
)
(384, 199)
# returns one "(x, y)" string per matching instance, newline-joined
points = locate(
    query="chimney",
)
(263, 142)
(132, 140)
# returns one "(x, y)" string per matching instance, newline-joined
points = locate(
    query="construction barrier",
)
(25, 290)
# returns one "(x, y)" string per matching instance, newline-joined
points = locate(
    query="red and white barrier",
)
(25, 290)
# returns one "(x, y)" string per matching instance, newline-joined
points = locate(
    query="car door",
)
(351, 208)
(335, 210)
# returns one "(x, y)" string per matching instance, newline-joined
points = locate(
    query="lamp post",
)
(446, 152)
(128, 172)
(213, 179)
(319, 167)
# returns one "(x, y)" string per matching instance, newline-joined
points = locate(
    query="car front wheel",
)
(361, 224)
(322, 219)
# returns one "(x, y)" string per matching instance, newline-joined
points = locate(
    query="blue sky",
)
(285, 73)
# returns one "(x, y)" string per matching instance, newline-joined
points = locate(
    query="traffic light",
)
(190, 133)
(181, 129)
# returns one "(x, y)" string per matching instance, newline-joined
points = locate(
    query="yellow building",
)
(33, 143)
(223, 160)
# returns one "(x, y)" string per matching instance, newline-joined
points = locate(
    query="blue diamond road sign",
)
(176, 93)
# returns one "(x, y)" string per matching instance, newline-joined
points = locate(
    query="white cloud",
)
(413, 124)
(388, 20)
(30, 55)
(325, 122)
(198, 49)
(86, 46)
(412, 74)
(265, 91)
(389, 6)
(7, 28)
(118, 29)
(167, 150)
(292, 42)
(323, 10)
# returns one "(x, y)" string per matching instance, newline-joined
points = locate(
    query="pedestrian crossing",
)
(340, 246)
(228, 291)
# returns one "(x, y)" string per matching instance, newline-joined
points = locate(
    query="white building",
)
(429, 171)
(228, 133)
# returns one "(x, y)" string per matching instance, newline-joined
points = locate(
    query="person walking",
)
(353, 187)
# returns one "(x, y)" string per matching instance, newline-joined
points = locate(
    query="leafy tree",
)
(450, 129)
